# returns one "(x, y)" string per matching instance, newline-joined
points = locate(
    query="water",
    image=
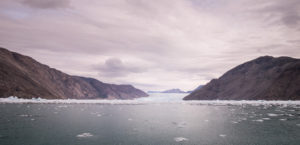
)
(149, 123)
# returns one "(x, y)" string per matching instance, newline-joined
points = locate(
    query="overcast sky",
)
(151, 44)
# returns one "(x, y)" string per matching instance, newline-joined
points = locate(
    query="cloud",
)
(114, 67)
(46, 4)
(286, 12)
(154, 45)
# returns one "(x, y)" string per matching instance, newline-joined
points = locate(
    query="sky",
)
(153, 45)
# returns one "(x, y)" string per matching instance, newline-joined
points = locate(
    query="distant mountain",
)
(168, 91)
(173, 91)
(264, 78)
(153, 91)
(24, 77)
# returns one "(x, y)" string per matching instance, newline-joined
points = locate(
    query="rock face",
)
(265, 78)
(24, 77)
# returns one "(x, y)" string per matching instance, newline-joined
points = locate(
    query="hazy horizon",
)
(153, 45)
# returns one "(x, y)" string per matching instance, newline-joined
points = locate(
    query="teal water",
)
(148, 124)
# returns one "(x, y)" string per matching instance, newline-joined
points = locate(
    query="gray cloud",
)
(288, 12)
(114, 67)
(46, 4)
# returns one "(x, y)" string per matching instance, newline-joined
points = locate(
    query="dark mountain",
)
(264, 78)
(24, 77)
(200, 86)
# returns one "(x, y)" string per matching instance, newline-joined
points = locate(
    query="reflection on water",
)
(153, 123)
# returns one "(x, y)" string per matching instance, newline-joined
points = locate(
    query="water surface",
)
(149, 123)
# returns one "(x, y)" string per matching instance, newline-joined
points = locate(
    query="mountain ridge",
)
(264, 78)
(24, 77)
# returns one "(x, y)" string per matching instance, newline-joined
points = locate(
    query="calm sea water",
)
(149, 124)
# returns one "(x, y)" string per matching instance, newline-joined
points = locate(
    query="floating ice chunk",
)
(272, 114)
(129, 119)
(298, 125)
(62, 106)
(206, 120)
(259, 120)
(85, 135)
(265, 118)
(99, 115)
(180, 139)
(222, 135)
(283, 119)
(234, 122)
(32, 119)
(24, 115)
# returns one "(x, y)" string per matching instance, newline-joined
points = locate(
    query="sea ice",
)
(272, 114)
(259, 120)
(180, 139)
(24, 115)
(84, 135)
(222, 135)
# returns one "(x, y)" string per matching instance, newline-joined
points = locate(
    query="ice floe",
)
(85, 135)
(148, 100)
(222, 135)
(180, 139)
(272, 114)
(259, 120)
(234, 122)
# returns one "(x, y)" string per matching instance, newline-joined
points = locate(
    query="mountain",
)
(24, 77)
(264, 78)
(173, 91)
(200, 86)
(168, 91)
(153, 91)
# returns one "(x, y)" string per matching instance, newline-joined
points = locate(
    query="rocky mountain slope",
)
(264, 78)
(24, 77)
